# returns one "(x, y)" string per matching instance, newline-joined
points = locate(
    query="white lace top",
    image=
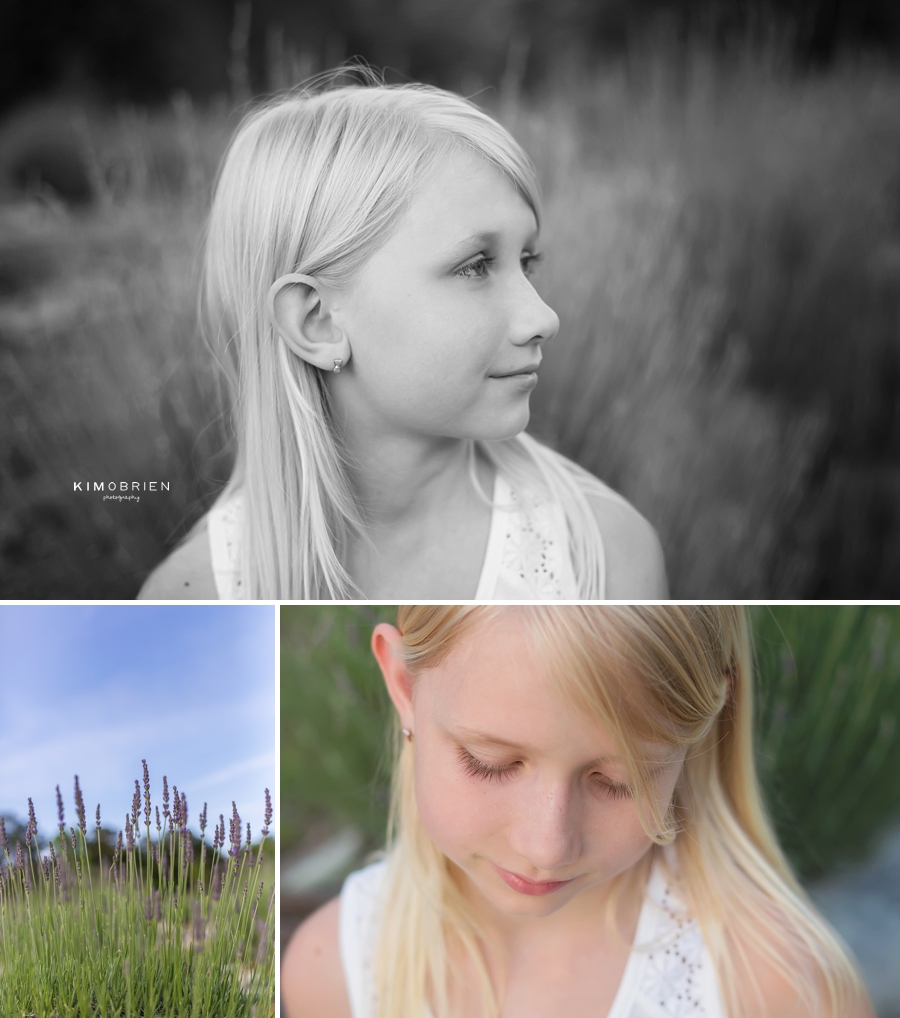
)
(669, 973)
(527, 556)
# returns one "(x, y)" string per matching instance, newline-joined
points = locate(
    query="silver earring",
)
(337, 365)
(407, 734)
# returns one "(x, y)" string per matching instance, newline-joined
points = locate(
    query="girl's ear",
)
(298, 312)
(386, 646)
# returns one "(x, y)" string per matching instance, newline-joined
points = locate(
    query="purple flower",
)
(235, 833)
(268, 814)
(98, 817)
(129, 833)
(146, 794)
(165, 797)
(203, 820)
(3, 839)
(176, 806)
(79, 807)
(59, 810)
(136, 803)
(31, 826)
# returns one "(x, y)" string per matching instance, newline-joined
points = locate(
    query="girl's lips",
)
(524, 886)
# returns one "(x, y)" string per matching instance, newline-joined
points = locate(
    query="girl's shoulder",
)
(769, 993)
(186, 575)
(635, 565)
(634, 562)
(312, 977)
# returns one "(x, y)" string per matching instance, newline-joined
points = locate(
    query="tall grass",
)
(723, 247)
(160, 928)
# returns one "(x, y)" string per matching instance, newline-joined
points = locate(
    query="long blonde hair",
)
(314, 183)
(679, 675)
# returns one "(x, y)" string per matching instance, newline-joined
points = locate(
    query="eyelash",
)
(478, 267)
(498, 772)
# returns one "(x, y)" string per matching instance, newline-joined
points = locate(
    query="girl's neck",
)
(398, 479)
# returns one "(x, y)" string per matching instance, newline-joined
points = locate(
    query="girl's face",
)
(526, 795)
(444, 325)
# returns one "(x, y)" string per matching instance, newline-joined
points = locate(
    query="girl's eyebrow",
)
(484, 238)
(473, 735)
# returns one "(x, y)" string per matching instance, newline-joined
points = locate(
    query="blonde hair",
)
(677, 675)
(314, 183)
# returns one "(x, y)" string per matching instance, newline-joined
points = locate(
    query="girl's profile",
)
(367, 284)
(576, 829)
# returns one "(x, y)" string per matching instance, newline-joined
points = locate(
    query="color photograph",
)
(686, 809)
(137, 862)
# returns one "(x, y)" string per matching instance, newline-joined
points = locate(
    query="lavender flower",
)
(79, 808)
(184, 810)
(3, 839)
(203, 820)
(129, 834)
(268, 814)
(136, 803)
(176, 806)
(61, 813)
(146, 794)
(98, 820)
(165, 797)
(234, 832)
(31, 826)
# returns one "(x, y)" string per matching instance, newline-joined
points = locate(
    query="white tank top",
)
(669, 973)
(527, 556)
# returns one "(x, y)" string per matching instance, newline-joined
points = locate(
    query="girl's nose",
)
(547, 834)
(533, 320)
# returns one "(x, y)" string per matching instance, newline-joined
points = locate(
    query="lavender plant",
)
(161, 926)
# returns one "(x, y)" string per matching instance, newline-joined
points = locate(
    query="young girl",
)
(367, 282)
(576, 830)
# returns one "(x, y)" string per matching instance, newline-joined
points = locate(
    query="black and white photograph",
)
(497, 301)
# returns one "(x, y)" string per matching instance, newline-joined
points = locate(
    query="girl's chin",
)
(506, 426)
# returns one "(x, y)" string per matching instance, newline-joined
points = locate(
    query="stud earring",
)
(407, 734)
(337, 365)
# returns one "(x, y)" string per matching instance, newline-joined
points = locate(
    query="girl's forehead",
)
(500, 684)
(492, 677)
(465, 194)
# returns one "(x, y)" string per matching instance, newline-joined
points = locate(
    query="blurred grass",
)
(723, 248)
(828, 704)
(334, 719)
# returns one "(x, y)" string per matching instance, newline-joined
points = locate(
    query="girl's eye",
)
(613, 789)
(477, 268)
(487, 772)
(529, 262)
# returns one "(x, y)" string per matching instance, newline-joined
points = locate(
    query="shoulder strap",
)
(360, 911)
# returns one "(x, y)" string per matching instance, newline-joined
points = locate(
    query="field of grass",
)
(828, 708)
(723, 248)
(156, 924)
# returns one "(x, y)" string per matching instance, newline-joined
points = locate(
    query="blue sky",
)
(91, 690)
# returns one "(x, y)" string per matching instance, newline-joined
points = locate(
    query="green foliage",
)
(150, 931)
(828, 708)
(334, 722)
